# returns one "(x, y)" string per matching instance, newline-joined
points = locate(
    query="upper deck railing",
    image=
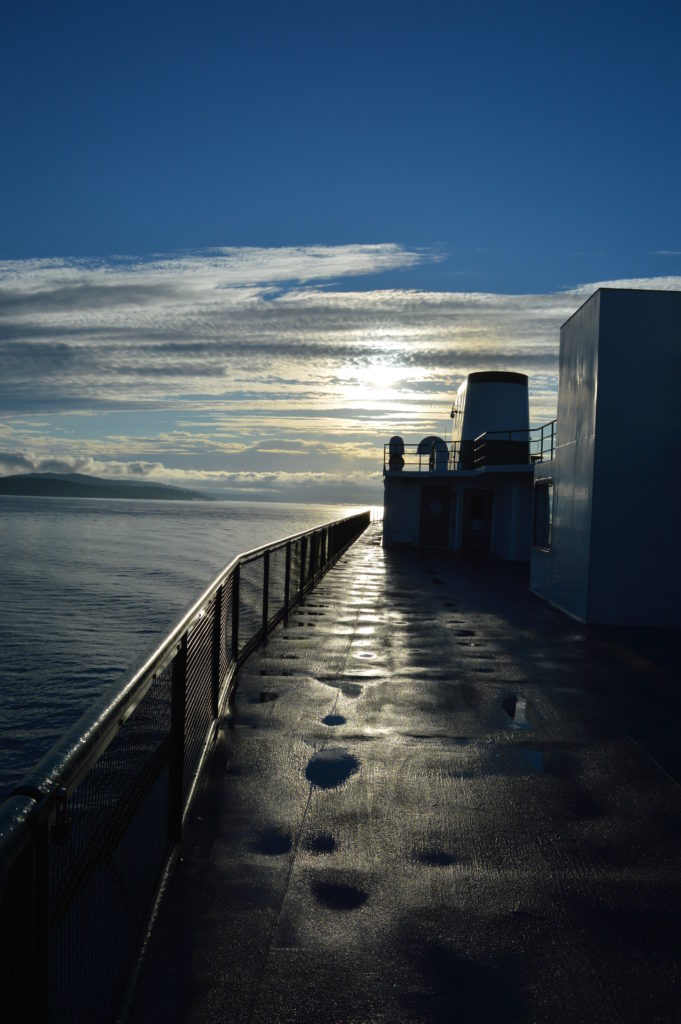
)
(422, 459)
(493, 448)
(88, 837)
(538, 444)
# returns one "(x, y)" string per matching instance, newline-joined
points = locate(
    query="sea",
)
(89, 585)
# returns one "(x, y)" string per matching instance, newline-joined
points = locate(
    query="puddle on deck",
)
(339, 897)
(330, 768)
(334, 720)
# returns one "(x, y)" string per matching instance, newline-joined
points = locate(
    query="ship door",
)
(476, 533)
(435, 506)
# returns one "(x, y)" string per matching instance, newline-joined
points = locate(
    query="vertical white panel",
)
(636, 539)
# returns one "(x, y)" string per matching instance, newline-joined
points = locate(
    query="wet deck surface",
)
(439, 800)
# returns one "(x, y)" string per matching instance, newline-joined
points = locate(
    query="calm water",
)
(87, 586)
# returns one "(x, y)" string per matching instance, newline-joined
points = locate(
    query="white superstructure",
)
(608, 507)
(477, 495)
(595, 507)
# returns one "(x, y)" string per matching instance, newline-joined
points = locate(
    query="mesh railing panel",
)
(304, 561)
(104, 872)
(251, 581)
(226, 656)
(277, 582)
(199, 693)
(312, 548)
(295, 571)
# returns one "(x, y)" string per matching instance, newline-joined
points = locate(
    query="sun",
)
(373, 385)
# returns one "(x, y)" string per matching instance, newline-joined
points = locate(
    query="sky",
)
(241, 245)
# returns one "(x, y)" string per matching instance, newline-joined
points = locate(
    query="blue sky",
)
(243, 244)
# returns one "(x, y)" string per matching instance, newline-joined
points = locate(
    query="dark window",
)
(543, 514)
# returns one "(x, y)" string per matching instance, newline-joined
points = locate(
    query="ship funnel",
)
(493, 402)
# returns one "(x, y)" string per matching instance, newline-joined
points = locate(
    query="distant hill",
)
(78, 485)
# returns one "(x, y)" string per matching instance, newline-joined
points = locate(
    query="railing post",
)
(287, 581)
(235, 612)
(178, 701)
(215, 665)
(265, 590)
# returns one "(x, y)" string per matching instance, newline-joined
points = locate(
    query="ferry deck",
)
(436, 798)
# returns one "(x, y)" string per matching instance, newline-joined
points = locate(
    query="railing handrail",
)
(535, 436)
(520, 430)
(68, 760)
(414, 457)
(421, 457)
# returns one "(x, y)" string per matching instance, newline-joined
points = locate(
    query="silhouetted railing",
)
(435, 458)
(88, 837)
(515, 447)
(493, 448)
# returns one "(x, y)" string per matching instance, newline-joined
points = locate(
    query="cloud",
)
(262, 356)
(130, 281)
(31, 462)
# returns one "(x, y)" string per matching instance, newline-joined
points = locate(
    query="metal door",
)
(435, 506)
(476, 532)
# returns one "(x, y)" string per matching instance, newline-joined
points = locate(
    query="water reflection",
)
(516, 709)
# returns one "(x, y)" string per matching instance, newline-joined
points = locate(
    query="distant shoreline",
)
(79, 485)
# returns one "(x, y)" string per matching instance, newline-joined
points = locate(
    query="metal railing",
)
(436, 458)
(515, 447)
(88, 837)
(493, 448)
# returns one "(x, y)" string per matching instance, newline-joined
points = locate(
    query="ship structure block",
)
(474, 495)
(607, 544)
(591, 499)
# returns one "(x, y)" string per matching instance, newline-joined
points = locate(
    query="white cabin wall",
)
(540, 558)
(521, 538)
(562, 574)
(512, 514)
(635, 550)
(402, 510)
(502, 531)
